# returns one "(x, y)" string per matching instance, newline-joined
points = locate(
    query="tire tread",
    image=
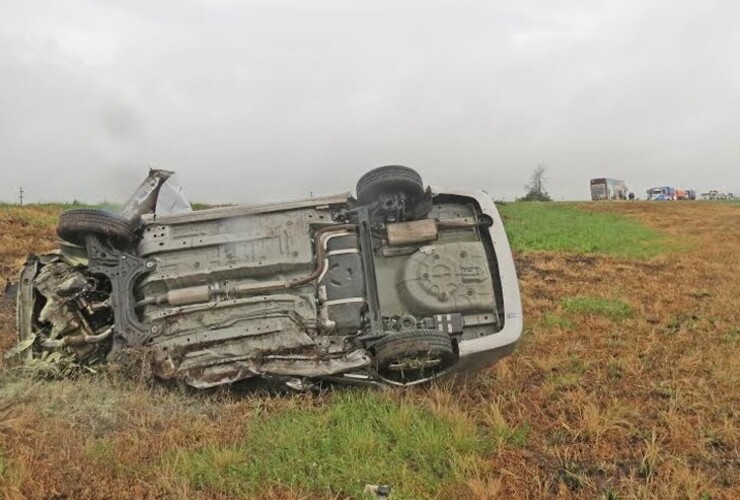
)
(77, 223)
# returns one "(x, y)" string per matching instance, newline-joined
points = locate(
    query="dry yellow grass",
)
(645, 405)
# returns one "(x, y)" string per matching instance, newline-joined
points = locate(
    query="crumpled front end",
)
(64, 314)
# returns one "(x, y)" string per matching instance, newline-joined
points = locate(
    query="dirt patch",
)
(584, 260)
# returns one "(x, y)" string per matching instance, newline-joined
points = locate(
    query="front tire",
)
(77, 224)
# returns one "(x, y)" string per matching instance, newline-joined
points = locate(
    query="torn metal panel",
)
(159, 193)
(309, 367)
(25, 299)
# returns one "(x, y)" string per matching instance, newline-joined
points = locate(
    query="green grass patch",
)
(552, 320)
(610, 308)
(577, 365)
(568, 374)
(513, 436)
(732, 336)
(358, 438)
(535, 226)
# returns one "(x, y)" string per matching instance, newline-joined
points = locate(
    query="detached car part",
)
(402, 285)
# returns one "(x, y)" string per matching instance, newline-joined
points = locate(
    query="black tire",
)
(414, 355)
(78, 223)
(389, 179)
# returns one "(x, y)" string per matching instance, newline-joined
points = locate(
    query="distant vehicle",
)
(399, 286)
(661, 193)
(685, 194)
(608, 189)
(715, 194)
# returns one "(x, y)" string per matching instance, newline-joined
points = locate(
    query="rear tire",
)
(389, 180)
(77, 224)
(414, 355)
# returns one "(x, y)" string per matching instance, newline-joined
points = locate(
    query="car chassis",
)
(402, 285)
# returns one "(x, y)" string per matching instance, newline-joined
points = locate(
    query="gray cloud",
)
(251, 101)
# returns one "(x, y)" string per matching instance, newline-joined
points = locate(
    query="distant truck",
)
(685, 194)
(661, 193)
(608, 189)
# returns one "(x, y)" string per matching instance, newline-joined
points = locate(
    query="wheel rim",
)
(418, 362)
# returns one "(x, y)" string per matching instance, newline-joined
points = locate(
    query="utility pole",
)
(20, 194)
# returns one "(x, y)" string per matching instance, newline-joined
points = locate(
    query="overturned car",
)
(398, 286)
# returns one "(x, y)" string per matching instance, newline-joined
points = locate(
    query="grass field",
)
(567, 227)
(625, 385)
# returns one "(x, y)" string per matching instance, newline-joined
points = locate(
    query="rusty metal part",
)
(77, 340)
(417, 231)
(190, 295)
(320, 250)
(425, 230)
(459, 223)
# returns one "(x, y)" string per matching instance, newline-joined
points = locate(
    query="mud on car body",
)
(398, 286)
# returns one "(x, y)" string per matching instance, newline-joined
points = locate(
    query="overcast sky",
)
(270, 99)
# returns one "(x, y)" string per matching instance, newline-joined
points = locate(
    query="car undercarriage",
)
(398, 286)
